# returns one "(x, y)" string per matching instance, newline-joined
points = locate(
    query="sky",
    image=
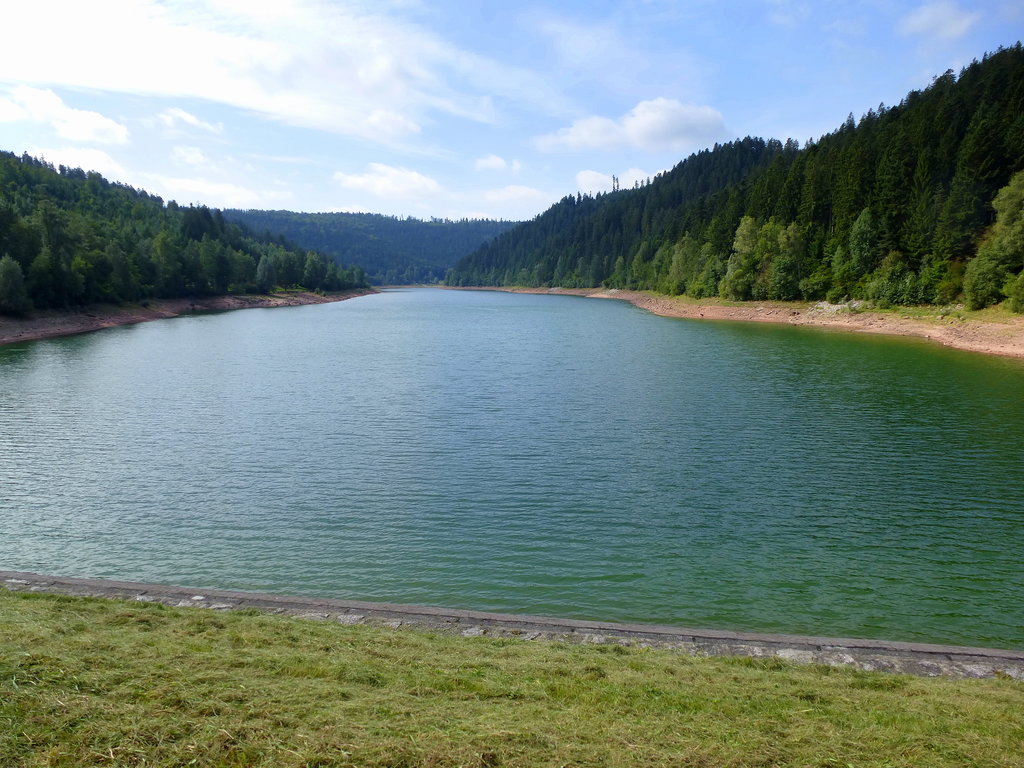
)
(446, 108)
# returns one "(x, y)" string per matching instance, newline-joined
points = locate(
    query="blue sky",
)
(447, 108)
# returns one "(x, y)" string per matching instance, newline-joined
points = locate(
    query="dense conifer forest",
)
(918, 203)
(68, 237)
(394, 251)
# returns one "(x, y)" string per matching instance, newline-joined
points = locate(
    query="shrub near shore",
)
(87, 682)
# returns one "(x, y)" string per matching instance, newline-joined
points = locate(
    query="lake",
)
(531, 454)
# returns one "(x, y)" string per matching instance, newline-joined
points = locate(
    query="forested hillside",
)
(392, 250)
(68, 237)
(916, 203)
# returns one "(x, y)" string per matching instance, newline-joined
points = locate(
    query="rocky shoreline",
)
(923, 659)
(45, 325)
(1002, 335)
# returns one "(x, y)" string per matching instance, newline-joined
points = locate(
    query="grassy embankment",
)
(87, 682)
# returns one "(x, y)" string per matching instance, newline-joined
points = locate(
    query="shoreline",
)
(52, 323)
(993, 333)
(922, 659)
(990, 334)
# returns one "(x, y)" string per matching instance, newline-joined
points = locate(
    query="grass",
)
(998, 313)
(88, 682)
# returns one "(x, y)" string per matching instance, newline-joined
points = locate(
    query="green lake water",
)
(531, 454)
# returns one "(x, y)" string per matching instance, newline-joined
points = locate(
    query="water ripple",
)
(528, 453)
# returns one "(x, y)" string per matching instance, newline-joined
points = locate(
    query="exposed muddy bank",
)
(1002, 336)
(45, 325)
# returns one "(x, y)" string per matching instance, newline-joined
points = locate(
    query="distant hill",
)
(912, 204)
(392, 250)
(70, 237)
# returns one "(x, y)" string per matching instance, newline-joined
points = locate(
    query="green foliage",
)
(816, 285)
(393, 250)
(998, 269)
(314, 273)
(738, 282)
(785, 273)
(591, 234)
(77, 239)
(984, 280)
(766, 255)
(891, 207)
(941, 281)
(705, 284)
(844, 276)
(266, 273)
(1007, 235)
(14, 298)
(1014, 290)
(863, 243)
(894, 283)
(676, 282)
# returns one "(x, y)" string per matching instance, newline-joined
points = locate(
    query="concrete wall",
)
(875, 655)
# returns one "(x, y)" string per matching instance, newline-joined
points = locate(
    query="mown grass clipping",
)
(87, 682)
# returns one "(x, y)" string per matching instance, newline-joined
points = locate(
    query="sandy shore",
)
(988, 332)
(45, 325)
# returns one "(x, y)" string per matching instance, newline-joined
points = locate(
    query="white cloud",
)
(603, 52)
(490, 163)
(941, 20)
(225, 193)
(174, 116)
(190, 156)
(87, 159)
(656, 124)
(283, 159)
(351, 209)
(515, 193)
(595, 181)
(787, 13)
(633, 176)
(44, 106)
(850, 27)
(389, 181)
(497, 163)
(342, 67)
(588, 46)
(11, 112)
(215, 193)
(388, 123)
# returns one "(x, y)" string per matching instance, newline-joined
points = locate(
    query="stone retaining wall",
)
(876, 655)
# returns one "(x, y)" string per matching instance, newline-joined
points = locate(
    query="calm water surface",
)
(537, 454)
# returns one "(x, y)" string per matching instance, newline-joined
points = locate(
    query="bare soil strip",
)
(990, 332)
(45, 325)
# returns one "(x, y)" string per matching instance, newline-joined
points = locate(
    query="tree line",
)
(393, 250)
(918, 203)
(70, 237)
